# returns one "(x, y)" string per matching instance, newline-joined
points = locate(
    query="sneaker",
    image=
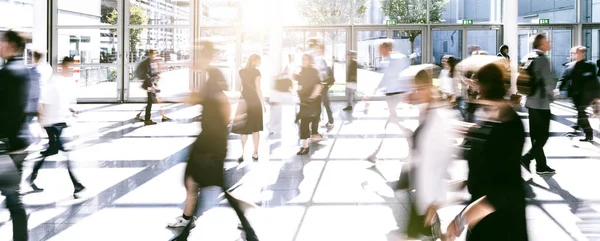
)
(526, 162)
(35, 188)
(180, 222)
(139, 118)
(148, 123)
(348, 108)
(587, 139)
(79, 191)
(371, 159)
(164, 119)
(545, 171)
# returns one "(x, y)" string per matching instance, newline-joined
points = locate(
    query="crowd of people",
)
(478, 101)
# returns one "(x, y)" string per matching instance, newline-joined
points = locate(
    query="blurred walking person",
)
(309, 91)
(430, 156)
(580, 81)
(317, 50)
(148, 71)
(206, 162)
(352, 81)
(497, 208)
(40, 74)
(14, 91)
(56, 111)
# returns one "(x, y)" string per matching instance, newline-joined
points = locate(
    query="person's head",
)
(385, 47)
(540, 41)
(448, 62)
(151, 53)
(253, 61)
(491, 82)
(314, 44)
(578, 53)
(66, 64)
(206, 52)
(11, 44)
(307, 60)
(504, 49)
(422, 89)
(38, 56)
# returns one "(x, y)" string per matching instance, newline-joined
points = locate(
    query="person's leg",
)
(149, 101)
(244, 139)
(392, 103)
(327, 105)
(234, 203)
(58, 129)
(540, 142)
(52, 141)
(256, 141)
(17, 214)
(191, 188)
(350, 96)
(584, 123)
(36, 168)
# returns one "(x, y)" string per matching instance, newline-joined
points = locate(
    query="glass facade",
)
(110, 37)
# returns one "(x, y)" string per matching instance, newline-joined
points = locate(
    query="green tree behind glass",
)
(413, 12)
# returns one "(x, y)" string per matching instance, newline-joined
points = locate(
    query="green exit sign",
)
(467, 21)
(544, 21)
(391, 22)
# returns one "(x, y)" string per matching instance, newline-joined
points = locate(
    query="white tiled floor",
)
(135, 179)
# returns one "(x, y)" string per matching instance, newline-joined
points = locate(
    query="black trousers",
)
(151, 99)
(539, 129)
(308, 126)
(55, 144)
(582, 117)
(15, 205)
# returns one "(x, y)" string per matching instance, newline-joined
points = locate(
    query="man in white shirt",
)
(40, 73)
(392, 85)
(56, 111)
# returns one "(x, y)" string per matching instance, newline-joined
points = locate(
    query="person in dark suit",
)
(581, 83)
(14, 97)
(148, 75)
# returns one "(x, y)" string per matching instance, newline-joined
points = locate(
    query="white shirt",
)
(45, 71)
(447, 84)
(57, 97)
(431, 158)
(391, 67)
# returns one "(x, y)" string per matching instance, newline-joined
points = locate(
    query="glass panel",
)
(408, 42)
(96, 82)
(591, 39)
(368, 60)
(90, 46)
(173, 44)
(447, 42)
(174, 81)
(455, 11)
(224, 40)
(258, 43)
(19, 17)
(483, 40)
(319, 12)
(590, 11)
(218, 12)
(557, 11)
(403, 12)
(96, 12)
(335, 56)
(560, 41)
(159, 12)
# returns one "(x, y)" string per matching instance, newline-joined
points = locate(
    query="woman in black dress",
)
(253, 103)
(497, 207)
(309, 91)
(208, 152)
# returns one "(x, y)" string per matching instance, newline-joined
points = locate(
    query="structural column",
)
(510, 18)
(40, 25)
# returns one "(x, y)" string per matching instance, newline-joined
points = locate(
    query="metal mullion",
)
(54, 39)
(126, 51)
(87, 27)
(159, 26)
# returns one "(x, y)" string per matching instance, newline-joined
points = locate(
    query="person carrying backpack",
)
(542, 85)
(148, 72)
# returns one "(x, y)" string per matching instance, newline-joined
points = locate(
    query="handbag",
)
(9, 174)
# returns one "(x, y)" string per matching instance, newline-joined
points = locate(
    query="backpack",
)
(527, 84)
(139, 72)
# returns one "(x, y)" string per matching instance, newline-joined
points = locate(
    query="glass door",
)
(294, 44)
(90, 35)
(407, 41)
(591, 40)
(561, 41)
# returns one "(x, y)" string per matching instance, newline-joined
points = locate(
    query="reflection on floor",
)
(134, 177)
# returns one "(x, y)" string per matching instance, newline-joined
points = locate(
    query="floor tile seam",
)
(165, 165)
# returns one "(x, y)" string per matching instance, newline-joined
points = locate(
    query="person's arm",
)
(544, 70)
(470, 216)
(565, 78)
(258, 88)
